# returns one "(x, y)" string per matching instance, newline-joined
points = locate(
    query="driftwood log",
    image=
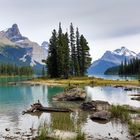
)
(39, 107)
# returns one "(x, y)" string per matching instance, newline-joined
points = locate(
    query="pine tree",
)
(85, 56)
(43, 71)
(52, 63)
(66, 51)
(73, 55)
(67, 56)
(60, 54)
(78, 51)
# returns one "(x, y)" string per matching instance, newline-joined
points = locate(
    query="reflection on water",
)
(115, 77)
(15, 99)
(112, 95)
(111, 128)
(5, 80)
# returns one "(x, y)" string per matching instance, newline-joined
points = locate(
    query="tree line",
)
(9, 69)
(68, 53)
(131, 67)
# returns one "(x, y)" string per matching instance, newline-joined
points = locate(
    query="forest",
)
(131, 67)
(13, 70)
(127, 67)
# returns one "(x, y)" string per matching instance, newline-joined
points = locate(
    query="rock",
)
(101, 116)
(88, 106)
(137, 135)
(17, 133)
(74, 94)
(7, 129)
(118, 86)
(128, 89)
(115, 138)
(95, 105)
(135, 98)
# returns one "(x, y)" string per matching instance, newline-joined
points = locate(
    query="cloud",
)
(96, 19)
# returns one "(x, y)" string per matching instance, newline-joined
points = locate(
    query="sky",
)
(106, 24)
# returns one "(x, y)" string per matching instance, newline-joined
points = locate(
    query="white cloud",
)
(101, 21)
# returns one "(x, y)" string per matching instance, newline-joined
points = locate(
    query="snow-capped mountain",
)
(111, 59)
(24, 51)
(123, 51)
(138, 55)
(45, 46)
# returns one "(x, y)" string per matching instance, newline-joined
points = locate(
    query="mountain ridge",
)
(29, 52)
(111, 59)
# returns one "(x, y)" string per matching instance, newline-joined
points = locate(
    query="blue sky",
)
(107, 24)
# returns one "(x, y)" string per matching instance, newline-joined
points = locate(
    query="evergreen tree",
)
(85, 56)
(12, 70)
(52, 56)
(43, 71)
(67, 56)
(132, 67)
(73, 51)
(60, 53)
(78, 51)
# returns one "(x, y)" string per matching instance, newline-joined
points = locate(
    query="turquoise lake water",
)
(16, 98)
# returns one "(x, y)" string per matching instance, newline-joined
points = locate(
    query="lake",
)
(115, 77)
(16, 98)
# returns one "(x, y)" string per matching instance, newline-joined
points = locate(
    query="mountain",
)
(138, 55)
(18, 49)
(111, 59)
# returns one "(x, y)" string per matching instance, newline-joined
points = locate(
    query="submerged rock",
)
(128, 89)
(74, 94)
(137, 136)
(7, 129)
(88, 106)
(118, 86)
(101, 116)
(97, 105)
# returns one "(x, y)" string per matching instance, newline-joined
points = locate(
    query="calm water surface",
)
(16, 98)
(115, 77)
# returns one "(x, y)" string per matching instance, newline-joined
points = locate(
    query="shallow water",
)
(16, 98)
(113, 95)
(115, 77)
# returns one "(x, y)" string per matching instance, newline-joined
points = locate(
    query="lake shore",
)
(92, 81)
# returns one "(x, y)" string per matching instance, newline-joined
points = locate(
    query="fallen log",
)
(39, 107)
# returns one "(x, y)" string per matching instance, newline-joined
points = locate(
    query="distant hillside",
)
(112, 71)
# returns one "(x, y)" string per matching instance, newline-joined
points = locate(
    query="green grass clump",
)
(80, 136)
(123, 113)
(120, 112)
(134, 128)
(42, 132)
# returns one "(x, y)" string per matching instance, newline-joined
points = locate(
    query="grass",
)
(123, 113)
(117, 111)
(43, 132)
(80, 136)
(134, 128)
(85, 81)
(120, 112)
(62, 122)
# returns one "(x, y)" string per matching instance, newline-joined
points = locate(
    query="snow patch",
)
(125, 52)
(33, 63)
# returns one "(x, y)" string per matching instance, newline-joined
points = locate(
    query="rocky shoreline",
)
(99, 110)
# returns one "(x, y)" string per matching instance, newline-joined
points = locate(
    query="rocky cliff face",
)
(33, 53)
(14, 34)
